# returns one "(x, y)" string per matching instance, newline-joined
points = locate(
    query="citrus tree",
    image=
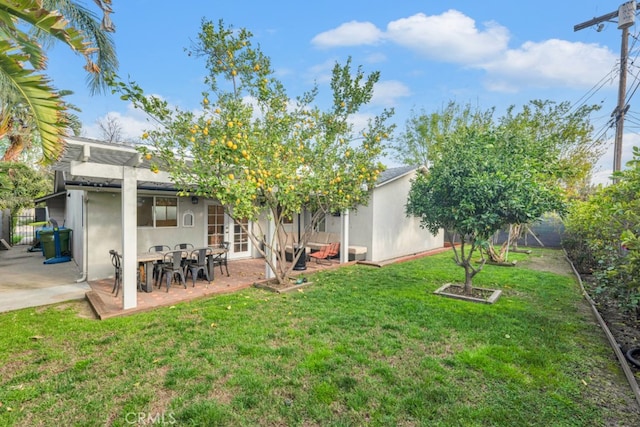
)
(256, 150)
(549, 145)
(552, 144)
(473, 189)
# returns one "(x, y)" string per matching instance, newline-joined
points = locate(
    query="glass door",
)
(222, 228)
(240, 243)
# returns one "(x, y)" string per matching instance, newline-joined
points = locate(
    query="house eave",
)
(49, 196)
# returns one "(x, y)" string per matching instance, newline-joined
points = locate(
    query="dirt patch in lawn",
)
(554, 263)
(81, 307)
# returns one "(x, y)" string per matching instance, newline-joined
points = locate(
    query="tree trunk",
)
(468, 276)
(515, 235)
(15, 148)
(494, 256)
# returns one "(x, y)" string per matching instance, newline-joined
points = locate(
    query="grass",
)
(360, 346)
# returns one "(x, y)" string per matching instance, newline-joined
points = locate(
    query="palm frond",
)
(50, 22)
(85, 20)
(43, 101)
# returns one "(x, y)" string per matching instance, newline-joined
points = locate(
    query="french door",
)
(222, 228)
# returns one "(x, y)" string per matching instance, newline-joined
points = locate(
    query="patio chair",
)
(116, 261)
(326, 252)
(197, 262)
(221, 259)
(157, 266)
(183, 246)
(172, 267)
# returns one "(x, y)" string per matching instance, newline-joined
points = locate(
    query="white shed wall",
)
(395, 234)
(384, 228)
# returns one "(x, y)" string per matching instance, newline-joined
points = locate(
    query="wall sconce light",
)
(194, 200)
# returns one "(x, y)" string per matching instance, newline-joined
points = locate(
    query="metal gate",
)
(22, 231)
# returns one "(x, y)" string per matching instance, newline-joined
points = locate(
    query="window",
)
(157, 211)
(188, 219)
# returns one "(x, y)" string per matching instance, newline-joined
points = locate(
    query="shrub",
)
(602, 236)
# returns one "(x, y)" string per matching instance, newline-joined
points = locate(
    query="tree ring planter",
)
(274, 286)
(482, 295)
(503, 263)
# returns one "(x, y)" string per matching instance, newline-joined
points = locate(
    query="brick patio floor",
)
(242, 274)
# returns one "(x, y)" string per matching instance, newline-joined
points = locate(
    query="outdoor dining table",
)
(148, 258)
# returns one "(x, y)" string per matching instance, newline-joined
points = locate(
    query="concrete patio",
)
(26, 282)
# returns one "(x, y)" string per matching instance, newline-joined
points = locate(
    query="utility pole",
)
(626, 15)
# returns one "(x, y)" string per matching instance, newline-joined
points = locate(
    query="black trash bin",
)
(301, 264)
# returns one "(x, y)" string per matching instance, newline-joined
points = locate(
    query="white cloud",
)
(352, 33)
(456, 38)
(387, 92)
(359, 122)
(321, 73)
(604, 167)
(451, 36)
(550, 63)
(133, 123)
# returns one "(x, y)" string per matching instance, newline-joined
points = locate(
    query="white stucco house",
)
(107, 194)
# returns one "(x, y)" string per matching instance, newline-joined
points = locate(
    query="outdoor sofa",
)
(319, 239)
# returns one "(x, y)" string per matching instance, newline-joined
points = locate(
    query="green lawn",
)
(361, 345)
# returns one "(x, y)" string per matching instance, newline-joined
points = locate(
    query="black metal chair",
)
(172, 267)
(116, 261)
(184, 247)
(197, 262)
(157, 266)
(221, 259)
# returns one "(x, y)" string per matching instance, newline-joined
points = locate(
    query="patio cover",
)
(88, 163)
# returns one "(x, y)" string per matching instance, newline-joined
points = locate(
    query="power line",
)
(626, 17)
(591, 92)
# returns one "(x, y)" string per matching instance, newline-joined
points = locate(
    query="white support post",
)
(344, 245)
(269, 252)
(129, 238)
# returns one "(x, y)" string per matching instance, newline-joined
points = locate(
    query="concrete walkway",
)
(25, 281)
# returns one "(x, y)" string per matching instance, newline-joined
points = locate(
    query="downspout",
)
(85, 234)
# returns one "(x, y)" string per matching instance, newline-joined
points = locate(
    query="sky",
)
(485, 54)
